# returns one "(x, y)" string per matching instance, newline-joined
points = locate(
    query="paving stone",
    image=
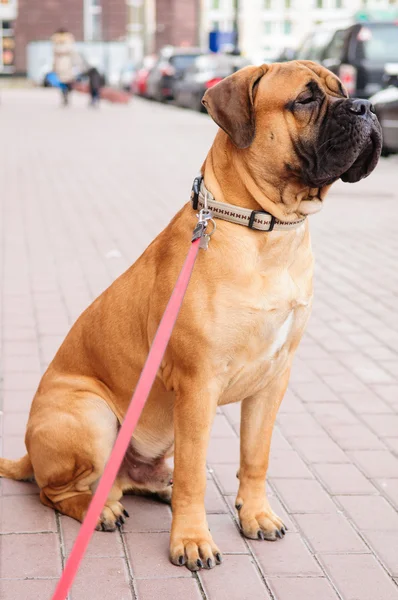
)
(226, 534)
(168, 589)
(384, 544)
(303, 496)
(359, 576)
(344, 479)
(330, 533)
(319, 449)
(148, 553)
(41, 556)
(372, 513)
(146, 515)
(102, 579)
(355, 437)
(286, 463)
(299, 425)
(238, 579)
(25, 514)
(102, 543)
(383, 425)
(226, 478)
(389, 489)
(288, 556)
(307, 588)
(376, 463)
(221, 428)
(27, 589)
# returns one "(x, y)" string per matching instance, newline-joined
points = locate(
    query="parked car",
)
(204, 72)
(141, 79)
(168, 69)
(127, 77)
(385, 103)
(357, 53)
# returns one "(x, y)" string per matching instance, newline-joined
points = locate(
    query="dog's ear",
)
(230, 104)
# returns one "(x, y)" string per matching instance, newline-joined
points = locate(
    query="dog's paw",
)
(194, 548)
(112, 516)
(258, 521)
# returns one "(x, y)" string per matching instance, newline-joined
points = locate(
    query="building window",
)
(288, 3)
(267, 4)
(215, 4)
(267, 27)
(319, 3)
(287, 27)
(92, 20)
(339, 3)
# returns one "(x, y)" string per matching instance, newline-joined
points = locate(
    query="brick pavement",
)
(82, 194)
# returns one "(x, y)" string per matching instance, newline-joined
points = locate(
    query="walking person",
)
(95, 83)
(64, 60)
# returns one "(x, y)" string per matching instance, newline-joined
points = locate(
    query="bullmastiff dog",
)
(287, 132)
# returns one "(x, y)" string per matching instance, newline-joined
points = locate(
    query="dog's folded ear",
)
(230, 104)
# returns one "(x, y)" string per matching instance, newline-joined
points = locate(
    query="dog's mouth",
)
(366, 161)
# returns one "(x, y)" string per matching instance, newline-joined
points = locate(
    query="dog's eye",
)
(305, 100)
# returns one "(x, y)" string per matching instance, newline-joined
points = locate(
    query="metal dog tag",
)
(204, 241)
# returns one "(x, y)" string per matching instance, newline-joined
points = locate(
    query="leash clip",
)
(204, 216)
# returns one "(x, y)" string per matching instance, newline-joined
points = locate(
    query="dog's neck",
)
(254, 190)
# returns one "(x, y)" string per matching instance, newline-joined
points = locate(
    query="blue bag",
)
(54, 81)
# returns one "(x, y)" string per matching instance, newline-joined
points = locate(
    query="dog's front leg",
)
(258, 413)
(191, 542)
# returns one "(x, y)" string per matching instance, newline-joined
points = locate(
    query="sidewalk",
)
(82, 194)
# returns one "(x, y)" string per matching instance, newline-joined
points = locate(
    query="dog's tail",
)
(16, 469)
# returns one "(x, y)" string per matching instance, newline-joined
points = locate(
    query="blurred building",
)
(267, 27)
(8, 13)
(88, 20)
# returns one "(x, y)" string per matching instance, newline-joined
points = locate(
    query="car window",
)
(314, 46)
(336, 46)
(304, 51)
(378, 43)
(182, 61)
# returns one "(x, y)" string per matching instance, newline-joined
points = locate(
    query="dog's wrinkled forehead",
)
(332, 84)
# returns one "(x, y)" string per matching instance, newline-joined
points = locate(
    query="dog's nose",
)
(362, 108)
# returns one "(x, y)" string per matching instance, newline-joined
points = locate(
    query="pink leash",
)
(137, 404)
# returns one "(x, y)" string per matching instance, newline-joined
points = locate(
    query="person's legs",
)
(95, 97)
(65, 89)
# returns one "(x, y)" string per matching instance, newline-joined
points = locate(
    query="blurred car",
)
(127, 77)
(357, 53)
(141, 78)
(385, 103)
(170, 66)
(202, 74)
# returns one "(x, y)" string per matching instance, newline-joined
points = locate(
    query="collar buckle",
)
(253, 215)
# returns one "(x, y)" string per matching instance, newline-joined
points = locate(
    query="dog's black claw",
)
(219, 558)
(103, 526)
(126, 514)
(283, 530)
(118, 524)
(238, 506)
(210, 563)
(278, 534)
(199, 563)
(121, 520)
(260, 534)
(181, 560)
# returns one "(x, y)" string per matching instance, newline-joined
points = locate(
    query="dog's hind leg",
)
(69, 453)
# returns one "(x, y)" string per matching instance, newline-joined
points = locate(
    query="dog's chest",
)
(267, 333)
